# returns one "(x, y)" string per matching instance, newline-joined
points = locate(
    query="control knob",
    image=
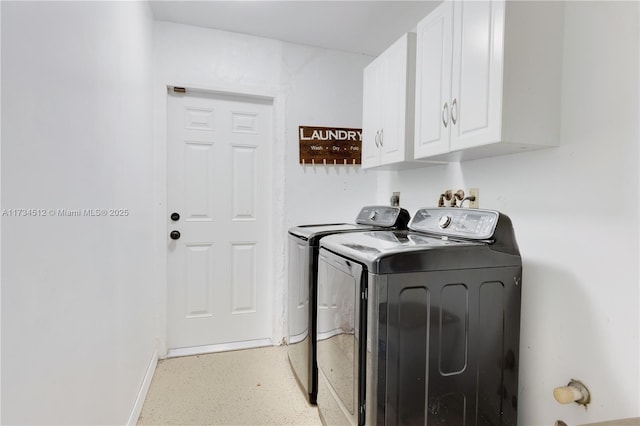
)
(444, 222)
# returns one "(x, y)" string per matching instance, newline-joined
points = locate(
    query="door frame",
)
(278, 132)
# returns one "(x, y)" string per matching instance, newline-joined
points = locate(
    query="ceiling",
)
(366, 27)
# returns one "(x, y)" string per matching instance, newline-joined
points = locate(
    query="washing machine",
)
(302, 285)
(426, 322)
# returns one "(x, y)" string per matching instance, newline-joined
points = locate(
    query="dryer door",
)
(341, 291)
(300, 303)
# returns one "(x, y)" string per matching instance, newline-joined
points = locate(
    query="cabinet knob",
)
(376, 139)
(445, 114)
(381, 137)
(444, 221)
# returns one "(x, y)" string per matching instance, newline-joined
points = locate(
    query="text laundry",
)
(331, 135)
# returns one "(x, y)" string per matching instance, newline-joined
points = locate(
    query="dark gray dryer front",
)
(426, 322)
(304, 244)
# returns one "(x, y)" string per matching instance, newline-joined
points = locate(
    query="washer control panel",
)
(456, 222)
(384, 216)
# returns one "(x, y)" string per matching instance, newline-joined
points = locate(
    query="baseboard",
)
(142, 394)
(199, 350)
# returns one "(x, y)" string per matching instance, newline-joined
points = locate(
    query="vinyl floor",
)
(245, 387)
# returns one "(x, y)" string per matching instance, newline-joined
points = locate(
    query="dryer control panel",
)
(455, 222)
(384, 216)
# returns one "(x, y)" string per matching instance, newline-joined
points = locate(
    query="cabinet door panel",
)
(394, 83)
(477, 73)
(370, 116)
(433, 82)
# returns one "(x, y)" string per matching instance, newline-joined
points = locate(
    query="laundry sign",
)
(330, 145)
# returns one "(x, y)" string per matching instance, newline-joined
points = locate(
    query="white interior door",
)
(219, 183)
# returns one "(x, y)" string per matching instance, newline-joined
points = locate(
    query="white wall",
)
(324, 89)
(78, 315)
(310, 86)
(575, 212)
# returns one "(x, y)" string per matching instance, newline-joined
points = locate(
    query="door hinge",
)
(179, 89)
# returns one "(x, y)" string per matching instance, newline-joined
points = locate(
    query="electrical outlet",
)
(474, 192)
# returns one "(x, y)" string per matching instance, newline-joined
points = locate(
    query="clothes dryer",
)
(302, 285)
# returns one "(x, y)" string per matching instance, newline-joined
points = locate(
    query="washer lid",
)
(371, 245)
(369, 217)
(307, 232)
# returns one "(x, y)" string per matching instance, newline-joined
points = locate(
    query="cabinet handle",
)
(454, 111)
(381, 137)
(376, 139)
(445, 114)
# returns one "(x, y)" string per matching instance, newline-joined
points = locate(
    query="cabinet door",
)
(433, 82)
(393, 87)
(370, 116)
(476, 93)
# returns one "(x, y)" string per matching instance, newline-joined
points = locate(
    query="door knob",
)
(174, 235)
(175, 217)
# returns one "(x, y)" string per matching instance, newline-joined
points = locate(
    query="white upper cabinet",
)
(388, 106)
(488, 79)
